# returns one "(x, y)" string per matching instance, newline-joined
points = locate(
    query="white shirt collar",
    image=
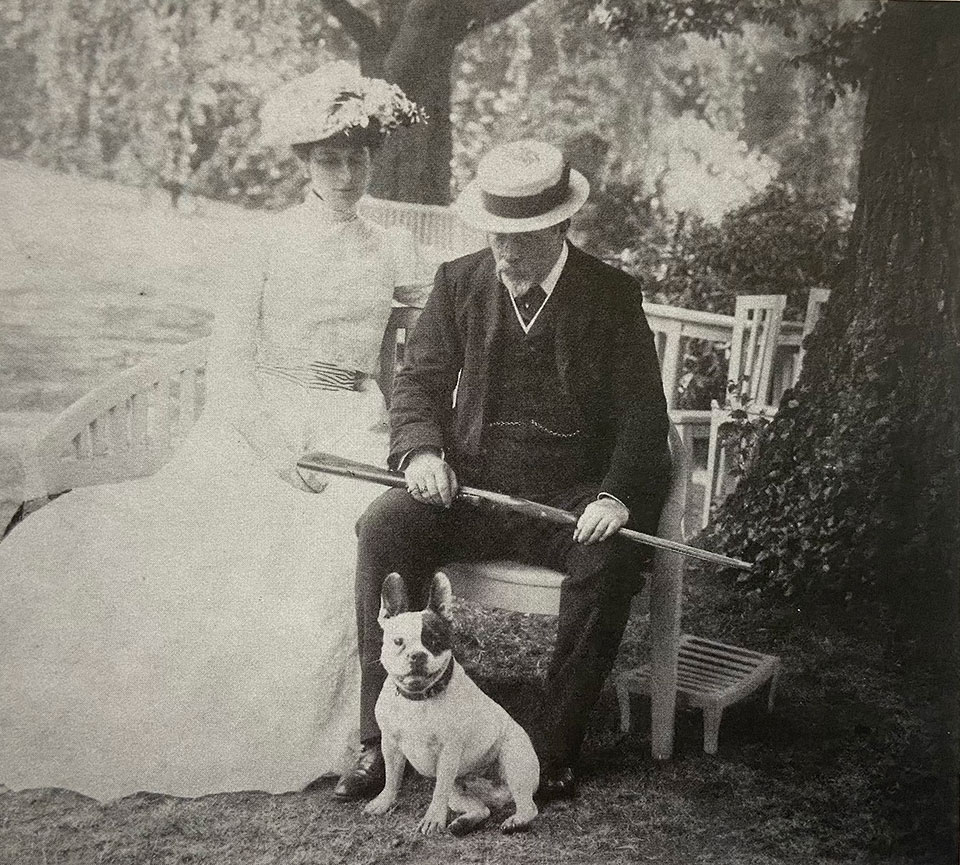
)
(550, 281)
(548, 284)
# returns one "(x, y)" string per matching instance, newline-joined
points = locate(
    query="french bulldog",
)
(434, 716)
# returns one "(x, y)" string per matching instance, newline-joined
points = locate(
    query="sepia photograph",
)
(482, 431)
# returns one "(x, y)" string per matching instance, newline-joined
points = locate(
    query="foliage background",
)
(718, 167)
(673, 133)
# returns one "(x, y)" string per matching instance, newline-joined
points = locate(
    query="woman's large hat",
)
(335, 101)
(522, 186)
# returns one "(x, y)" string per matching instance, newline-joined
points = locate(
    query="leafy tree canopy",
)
(838, 34)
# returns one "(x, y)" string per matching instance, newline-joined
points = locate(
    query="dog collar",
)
(438, 687)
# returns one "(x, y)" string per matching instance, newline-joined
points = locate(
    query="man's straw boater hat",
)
(522, 186)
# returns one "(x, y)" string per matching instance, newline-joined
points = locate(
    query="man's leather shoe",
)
(365, 778)
(558, 784)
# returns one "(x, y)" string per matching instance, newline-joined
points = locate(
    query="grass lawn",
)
(856, 764)
(848, 768)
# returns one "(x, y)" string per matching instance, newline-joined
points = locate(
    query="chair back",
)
(433, 226)
(756, 329)
(816, 301)
(399, 326)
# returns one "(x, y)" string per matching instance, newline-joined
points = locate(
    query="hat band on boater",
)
(526, 206)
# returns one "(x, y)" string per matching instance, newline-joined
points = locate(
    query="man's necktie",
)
(530, 302)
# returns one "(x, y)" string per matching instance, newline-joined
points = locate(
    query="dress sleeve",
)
(236, 394)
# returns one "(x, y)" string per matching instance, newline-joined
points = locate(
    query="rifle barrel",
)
(331, 464)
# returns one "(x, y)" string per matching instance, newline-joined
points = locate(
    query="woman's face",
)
(339, 174)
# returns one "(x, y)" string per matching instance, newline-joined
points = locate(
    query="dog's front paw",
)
(521, 820)
(514, 823)
(435, 820)
(379, 806)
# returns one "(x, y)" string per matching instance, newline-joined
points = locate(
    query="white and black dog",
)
(432, 714)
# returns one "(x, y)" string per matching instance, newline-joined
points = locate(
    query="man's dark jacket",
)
(605, 357)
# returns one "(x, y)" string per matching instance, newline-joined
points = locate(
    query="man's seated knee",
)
(392, 512)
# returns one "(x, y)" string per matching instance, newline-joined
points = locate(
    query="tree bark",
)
(855, 491)
(414, 163)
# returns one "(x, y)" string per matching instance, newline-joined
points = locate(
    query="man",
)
(531, 371)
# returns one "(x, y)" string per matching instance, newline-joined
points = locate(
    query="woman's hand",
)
(430, 480)
(284, 464)
(600, 520)
(299, 480)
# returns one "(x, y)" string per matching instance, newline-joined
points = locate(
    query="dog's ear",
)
(393, 598)
(441, 596)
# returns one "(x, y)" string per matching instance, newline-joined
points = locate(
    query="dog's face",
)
(416, 645)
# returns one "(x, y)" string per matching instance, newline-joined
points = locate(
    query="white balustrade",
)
(674, 326)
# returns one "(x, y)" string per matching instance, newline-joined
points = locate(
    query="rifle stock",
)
(332, 464)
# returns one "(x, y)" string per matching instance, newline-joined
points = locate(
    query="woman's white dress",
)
(194, 631)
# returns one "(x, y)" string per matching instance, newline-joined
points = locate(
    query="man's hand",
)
(430, 480)
(600, 520)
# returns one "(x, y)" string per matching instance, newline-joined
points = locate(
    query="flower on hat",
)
(333, 100)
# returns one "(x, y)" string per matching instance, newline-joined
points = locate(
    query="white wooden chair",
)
(816, 301)
(528, 589)
(756, 331)
(753, 347)
(754, 335)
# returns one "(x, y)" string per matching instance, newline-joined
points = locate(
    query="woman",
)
(194, 631)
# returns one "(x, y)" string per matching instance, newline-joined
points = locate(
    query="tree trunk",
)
(414, 163)
(855, 491)
(414, 46)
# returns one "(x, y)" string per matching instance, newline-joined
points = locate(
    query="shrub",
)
(780, 242)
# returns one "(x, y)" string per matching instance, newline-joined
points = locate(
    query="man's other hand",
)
(600, 520)
(430, 480)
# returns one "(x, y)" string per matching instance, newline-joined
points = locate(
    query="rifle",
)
(331, 464)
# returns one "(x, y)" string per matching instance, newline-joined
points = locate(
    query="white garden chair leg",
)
(774, 680)
(711, 728)
(623, 698)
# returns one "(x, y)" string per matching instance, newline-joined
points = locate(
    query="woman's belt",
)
(314, 374)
